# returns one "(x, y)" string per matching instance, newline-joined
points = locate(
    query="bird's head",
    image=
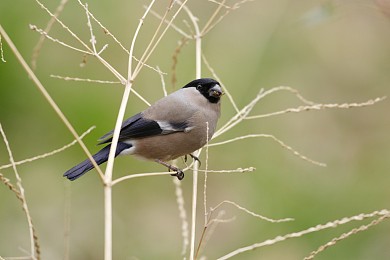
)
(208, 87)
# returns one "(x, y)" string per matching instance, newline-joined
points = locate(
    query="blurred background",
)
(331, 51)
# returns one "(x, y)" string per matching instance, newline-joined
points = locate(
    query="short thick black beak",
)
(216, 91)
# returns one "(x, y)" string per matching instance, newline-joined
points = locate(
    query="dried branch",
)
(175, 59)
(34, 244)
(317, 228)
(175, 27)
(320, 107)
(183, 216)
(47, 96)
(346, 235)
(46, 35)
(85, 80)
(48, 154)
(225, 90)
(250, 212)
(1, 51)
(295, 152)
(41, 40)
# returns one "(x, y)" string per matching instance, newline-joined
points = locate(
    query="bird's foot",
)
(179, 173)
(195, 158)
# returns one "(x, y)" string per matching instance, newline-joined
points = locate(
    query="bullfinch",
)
(174, 126)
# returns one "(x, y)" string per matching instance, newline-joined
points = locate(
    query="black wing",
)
(138, 126)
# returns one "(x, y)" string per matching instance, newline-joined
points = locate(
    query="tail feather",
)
(100, 157)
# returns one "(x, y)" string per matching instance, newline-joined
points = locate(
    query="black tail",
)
(100, 157)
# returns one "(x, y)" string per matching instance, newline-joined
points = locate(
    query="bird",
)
(175, 126)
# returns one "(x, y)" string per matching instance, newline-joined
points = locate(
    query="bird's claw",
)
(195, 158)
(179, 174)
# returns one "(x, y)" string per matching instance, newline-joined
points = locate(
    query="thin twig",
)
(163, 83)
(67, 220)
(85, 80)
(198, 74)
(49, 99)
(106, 31)
(1, 51)
(250, 212)
(295, 152)
(212, 18)
(182, 214)
(205, 176)
(225, 90)
(114, 144)
(175, 59)
(138, 175)
(41, 40)
(146, 56)
(46, 35)
(243, 113)
(317, 228)
(101, 82)
(34, 244)
(63, 25)
(319, 107)
(346, 235)
(89, 24)
(239, 170)
(48, 154)
(176, 28)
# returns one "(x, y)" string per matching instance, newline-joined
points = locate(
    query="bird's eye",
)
(199, 87)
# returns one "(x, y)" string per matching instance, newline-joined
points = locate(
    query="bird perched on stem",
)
(174, 126)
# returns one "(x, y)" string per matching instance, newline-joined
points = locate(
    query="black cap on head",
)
(208, 87)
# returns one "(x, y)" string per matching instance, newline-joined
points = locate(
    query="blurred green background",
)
(331, 51)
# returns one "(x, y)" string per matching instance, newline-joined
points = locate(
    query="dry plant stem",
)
(48, 154)
(175, 55)
(102, 82)
(139, 175)
(85, 80)
(89, 51)
(49, 99)
(44, 34)
(1, 50)
(34, 245)
(346, 235)
(182, 214)
(319, 107)
(39, 45)
(8, 183)
(250, 212)
(204, 192)
(296, 153)
(111, 156)
(317, 228)
(143, 60)
(144, 56)
(243, 113)
(176, 28)
(225, 90)
(106, 31)
(198, 70)
(63, 25)
(164, 88)
(151, 174)
(67, 220)
(212, 18)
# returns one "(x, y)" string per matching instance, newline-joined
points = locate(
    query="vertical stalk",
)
(198, 72)
(107, 222)
(114, 144)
